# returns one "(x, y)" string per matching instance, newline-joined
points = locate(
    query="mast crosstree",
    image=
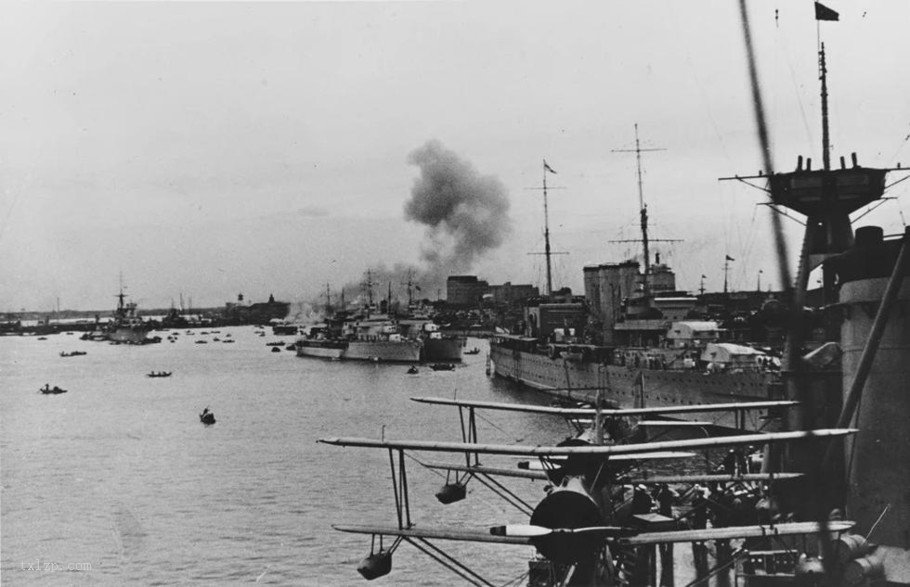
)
(643, 212)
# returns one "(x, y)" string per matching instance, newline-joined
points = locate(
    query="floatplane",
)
(583, 529)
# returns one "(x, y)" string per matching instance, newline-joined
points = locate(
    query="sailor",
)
(700, 520)
(734, 463)
(665, 498)
(641, 501)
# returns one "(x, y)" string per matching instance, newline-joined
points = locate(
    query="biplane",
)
(579, 528)
(593, 426)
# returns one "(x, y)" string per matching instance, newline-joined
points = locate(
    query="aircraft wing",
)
(530, 470)
(591, 450)
(582, 412)
(733, 532)
(522, 473)
(746, 477)
(477, 535)
(645, 538)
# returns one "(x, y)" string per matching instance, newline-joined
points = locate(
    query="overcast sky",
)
(211, 149)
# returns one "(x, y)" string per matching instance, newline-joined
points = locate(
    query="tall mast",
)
(823, 75)
(328, 298)
(546, 233)
(410, 283)
(643, 209)
(546, 227)
(369, 285)
(121, 295)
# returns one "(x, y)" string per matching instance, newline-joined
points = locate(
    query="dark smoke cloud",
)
(466, 216)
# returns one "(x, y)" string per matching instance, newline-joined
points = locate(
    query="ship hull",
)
(629, 387)
(443, 349)
(406, 351)
(129, 335)
(319, 351)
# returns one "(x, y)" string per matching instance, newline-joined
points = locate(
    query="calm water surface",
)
(119, 473)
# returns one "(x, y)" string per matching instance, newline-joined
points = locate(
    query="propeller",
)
(532, 531)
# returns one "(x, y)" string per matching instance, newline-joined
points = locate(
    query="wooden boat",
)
(207, 417)
(48, 390)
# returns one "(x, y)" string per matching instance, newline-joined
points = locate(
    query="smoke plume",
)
(466, 214)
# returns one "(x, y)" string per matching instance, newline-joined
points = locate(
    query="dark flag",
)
(547, 167)
(729, 258)
(822, 12)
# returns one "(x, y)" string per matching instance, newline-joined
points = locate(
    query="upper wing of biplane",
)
(625, 537)
(590, 450)
(590, 412)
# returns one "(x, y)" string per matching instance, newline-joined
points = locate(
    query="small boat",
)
(276, 349)
(473, 351)
(48, 390)
(72, 353)
(159, 374)
(274, 343)
(202, 342)
(442, 367)
(216, 339)
(207, 417)
(228, 341)
(291, 347)
(412, 370)
(42, 338)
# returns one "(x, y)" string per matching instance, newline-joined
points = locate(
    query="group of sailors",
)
(716, 504)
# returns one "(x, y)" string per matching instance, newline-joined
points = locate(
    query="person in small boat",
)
(47, 387)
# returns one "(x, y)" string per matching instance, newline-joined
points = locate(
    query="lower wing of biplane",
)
(560, 527)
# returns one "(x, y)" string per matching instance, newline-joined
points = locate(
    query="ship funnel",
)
(799, 163)
(843, 163)
(809, 164)
(853, 158)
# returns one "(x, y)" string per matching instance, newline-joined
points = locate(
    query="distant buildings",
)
(512, 294)
(467, 290)
(259, 313)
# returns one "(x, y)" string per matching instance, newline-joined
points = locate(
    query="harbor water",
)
(117, 481)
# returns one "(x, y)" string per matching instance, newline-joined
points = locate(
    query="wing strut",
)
(448, 561)
(400, 489)
(472, 460)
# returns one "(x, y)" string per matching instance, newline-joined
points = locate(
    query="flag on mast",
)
(822, 12)
(729, 258)
(548, 168)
